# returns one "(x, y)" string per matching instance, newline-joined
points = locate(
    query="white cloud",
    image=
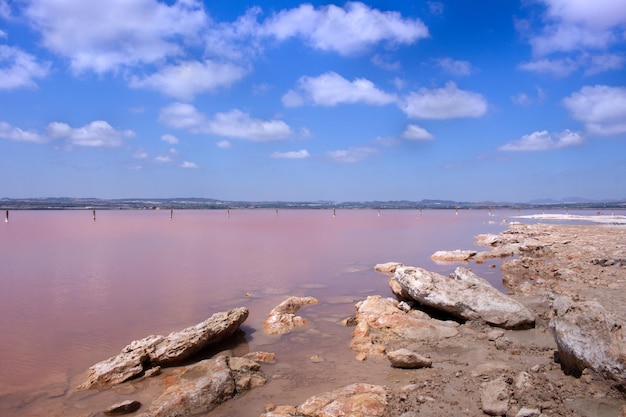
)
(558, 67)
(224, 144)
(189, 165)
(301, 154)
(19, 69)
(352, 154)
(454, 67)
(605, 62)
(163, 159)
(5, 9)
(346, 30)
(95, 134)
(140, 155)
(104, 36)
(182, 116)
(187, 79)
(171, 139)
(444, 103)
(601, 108)
(415, 132)
(16, 134)
(237, 124)
(385, 62)
(330, 89)
(595, 14)
(233, 124)
(543, 141)
(521, 99)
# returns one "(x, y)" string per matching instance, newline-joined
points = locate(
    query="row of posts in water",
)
(456, 212)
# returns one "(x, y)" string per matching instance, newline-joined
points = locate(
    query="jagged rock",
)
(356, 400)
(142, 355)
(388, 267)
(452, 255)
(381, 323)
(589, 336)
(201, 387)
(125, 407)
(464, 295)
(407, 359)
(282, 319)
(495, 397)
(528, 412)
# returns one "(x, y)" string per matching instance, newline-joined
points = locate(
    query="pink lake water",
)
(74, 291)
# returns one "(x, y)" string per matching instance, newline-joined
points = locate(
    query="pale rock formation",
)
(201, 387)
(495, 396)
(381, 323)
(142, 355)
(407, 359)
(464, 295)
(388, 267)
(282, 319)
(589, 336)
(457, 255)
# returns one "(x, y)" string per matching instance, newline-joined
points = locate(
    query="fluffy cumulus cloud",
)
(19, 69)
(301, 154)
(415, 132)
(330, 89)
(543, 141)
(9, 132)
(95, 134)
(582, 29)
(233, 124)
(346, 30)
(352, 155)
(601, 108)
(105, 36)
(187, 79)
(444, 103)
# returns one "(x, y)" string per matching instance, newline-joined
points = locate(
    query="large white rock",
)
(589, 336)
(464, 295)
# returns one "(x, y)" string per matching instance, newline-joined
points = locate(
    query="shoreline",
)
(561, 258)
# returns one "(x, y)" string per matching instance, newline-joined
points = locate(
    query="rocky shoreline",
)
(553, 346)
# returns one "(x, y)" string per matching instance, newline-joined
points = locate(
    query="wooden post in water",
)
(334, 212)
(6, 216)
(94, 215)
(171, 214)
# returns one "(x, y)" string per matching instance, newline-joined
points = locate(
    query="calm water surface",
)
(74, 291)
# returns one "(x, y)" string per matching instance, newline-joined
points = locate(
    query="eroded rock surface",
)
(283, 319)
(152, 351)
(464, 295)
(201, 387)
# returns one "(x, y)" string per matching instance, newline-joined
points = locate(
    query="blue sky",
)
(243, 100)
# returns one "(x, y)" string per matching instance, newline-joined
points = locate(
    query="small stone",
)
(317, 359)
(406, 359)
(495, 396)
(125, 407)
(528, 412)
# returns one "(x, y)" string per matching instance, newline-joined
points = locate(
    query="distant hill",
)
(68, 203)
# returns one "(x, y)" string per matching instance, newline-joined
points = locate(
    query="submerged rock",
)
(464, 295)
(282, 319)
(142, 355)
(457, 255)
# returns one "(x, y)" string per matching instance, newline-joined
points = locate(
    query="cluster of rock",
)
(430, 315)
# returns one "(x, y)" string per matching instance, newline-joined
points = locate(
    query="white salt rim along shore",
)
(613, 219)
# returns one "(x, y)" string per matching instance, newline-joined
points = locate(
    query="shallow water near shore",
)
(75, 291)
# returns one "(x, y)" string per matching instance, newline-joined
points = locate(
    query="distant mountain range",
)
(67, 203)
